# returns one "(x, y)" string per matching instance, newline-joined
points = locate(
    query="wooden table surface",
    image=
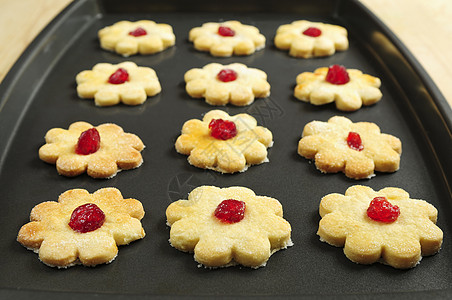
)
(425, 27)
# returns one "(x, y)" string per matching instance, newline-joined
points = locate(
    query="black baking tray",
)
(39, 94)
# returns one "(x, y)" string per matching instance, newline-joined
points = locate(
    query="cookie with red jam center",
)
(228, 226)
(82, 228)
(385, 226)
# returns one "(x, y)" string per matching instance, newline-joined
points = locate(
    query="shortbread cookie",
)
(82, 228)
(227, 38)
(385, 226)
(143, 37)
(111, 84)
(348, 88)
(221, 84)
(357, 149)
(100, 151)
(227, 226)
(224, 143)
(307, 39)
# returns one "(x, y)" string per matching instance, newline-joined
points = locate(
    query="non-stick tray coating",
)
(39, 94)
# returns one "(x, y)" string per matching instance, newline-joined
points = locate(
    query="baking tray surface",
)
(39, 94)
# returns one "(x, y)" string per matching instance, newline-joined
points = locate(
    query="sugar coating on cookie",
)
(197, 227)
(117, 150)
(112, 84)
(143, 37)
(357, 149)
(227, 38)
(224, 143)
(50, 234)
(360, 89)
(311, 39)
(400, 244)
(222, 84)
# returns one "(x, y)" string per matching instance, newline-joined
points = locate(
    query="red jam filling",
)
(87, 217)
(138, 32)
(230, 211)
(354, 141)
(225, 31)
(222, 129)
(337, 75)
(381, 210)
(313, 32)
(227, 75)
(88, 142)
(119, 76)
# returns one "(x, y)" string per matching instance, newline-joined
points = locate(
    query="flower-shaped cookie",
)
(129, 38)
(227, 38)
(307, 39)
(224, 226)
(221, 84)
(111, 84)
(82, 227)
(224, 143)
(350, 221)
(349, 88)
(357, 149)
(100, 151)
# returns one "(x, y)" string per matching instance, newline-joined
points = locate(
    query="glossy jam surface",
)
(337, 75)
(222, 129)
(227, 75)
(225, 31)
(87, 217)
(138, 32)
(382, 211)
(313, 32)
(88, 142)
(119, 76)
(354, 141)
(230, 211)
